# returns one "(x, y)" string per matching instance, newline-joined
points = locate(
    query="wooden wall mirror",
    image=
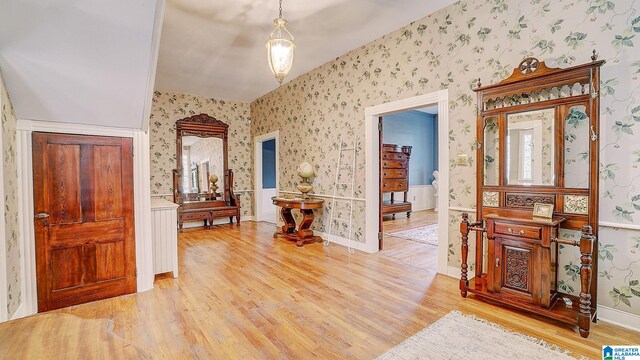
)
(201, 154)
(537, 144)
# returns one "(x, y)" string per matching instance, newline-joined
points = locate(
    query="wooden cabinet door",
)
(515, 265)
(84, 224)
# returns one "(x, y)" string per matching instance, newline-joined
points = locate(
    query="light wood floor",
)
(409, 252)
(244, 295)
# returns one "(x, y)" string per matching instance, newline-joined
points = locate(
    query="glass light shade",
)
(280, 48)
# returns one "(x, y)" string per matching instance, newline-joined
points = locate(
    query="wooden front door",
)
(84, 224)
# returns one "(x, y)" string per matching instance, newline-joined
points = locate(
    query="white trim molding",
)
(455, 272)
(619, 317)
(441, 98)
(142, 200)
(257, 169)
(324, 196)
(462, 209)
(153, 62)
(619, 225)
(342, 241)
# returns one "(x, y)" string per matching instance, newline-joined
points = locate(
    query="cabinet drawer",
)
(394, 164)
(201, 215)
(394, 185)
(394, 174)
(531, 232)
(221, 213)
(394, 156)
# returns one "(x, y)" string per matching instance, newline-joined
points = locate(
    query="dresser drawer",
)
(200, 215)
(394, 174)
(394, 164)
(531, 232)
(394, 156)
(221, 213)
(394, 185)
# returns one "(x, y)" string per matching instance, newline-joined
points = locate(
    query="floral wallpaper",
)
(450, 49)
(10, 183)
(168, 107)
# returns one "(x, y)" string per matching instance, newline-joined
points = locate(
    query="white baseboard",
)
(454, 272)
(619, 317)
(21, 311)
(343, 241)
(421, 197)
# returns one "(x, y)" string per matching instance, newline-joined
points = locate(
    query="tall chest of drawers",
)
(394, 178)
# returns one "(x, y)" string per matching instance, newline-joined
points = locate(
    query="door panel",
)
(107, 259)
(515, 268)
(70, 259)
(107, 177)
(63, 164)
(85, 248)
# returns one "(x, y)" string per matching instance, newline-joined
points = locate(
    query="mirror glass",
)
(530, 148)
(576, 148)
(202, 162)
(491, 151)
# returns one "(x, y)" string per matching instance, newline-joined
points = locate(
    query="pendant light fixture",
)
(280, 48)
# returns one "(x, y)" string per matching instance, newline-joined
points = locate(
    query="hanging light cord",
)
(280, 9)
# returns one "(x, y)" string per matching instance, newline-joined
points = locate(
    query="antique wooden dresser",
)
(394, 178)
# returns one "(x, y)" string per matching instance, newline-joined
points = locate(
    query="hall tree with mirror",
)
(537, 146)
(202, 181)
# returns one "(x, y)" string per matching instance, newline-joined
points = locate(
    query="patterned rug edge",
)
(455, 314)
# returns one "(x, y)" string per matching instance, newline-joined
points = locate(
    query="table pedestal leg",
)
(304, 231)
(289, 225)
(302, 235)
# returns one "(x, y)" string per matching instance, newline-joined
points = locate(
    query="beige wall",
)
(10, 184)
(169, 107)
(450, 50)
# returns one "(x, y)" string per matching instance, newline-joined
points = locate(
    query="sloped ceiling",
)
(216, 48)
(83, 61)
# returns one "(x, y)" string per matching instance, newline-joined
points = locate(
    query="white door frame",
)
(257, 162)
(372, 145)
(141, 195)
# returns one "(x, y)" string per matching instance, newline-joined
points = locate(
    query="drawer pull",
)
(497, 262)
(510, 230)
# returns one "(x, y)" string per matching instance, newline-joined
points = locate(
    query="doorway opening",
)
(374, 186)
(409, 173)
(266, 176)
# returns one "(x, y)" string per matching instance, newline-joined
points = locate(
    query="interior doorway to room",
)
(266, 176)
(408, 185)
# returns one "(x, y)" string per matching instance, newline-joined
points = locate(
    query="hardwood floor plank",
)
(244, 295)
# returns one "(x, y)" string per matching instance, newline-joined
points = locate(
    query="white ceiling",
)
(79, 61)
(216, 48)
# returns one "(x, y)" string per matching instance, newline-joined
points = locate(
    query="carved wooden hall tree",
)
(537, 144)
(198, 202)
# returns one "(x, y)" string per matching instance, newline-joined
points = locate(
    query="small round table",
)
(303, 235)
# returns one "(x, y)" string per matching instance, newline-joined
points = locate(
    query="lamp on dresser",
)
(537, 145)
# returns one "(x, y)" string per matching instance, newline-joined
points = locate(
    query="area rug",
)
(424, 234)
(458, 336)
